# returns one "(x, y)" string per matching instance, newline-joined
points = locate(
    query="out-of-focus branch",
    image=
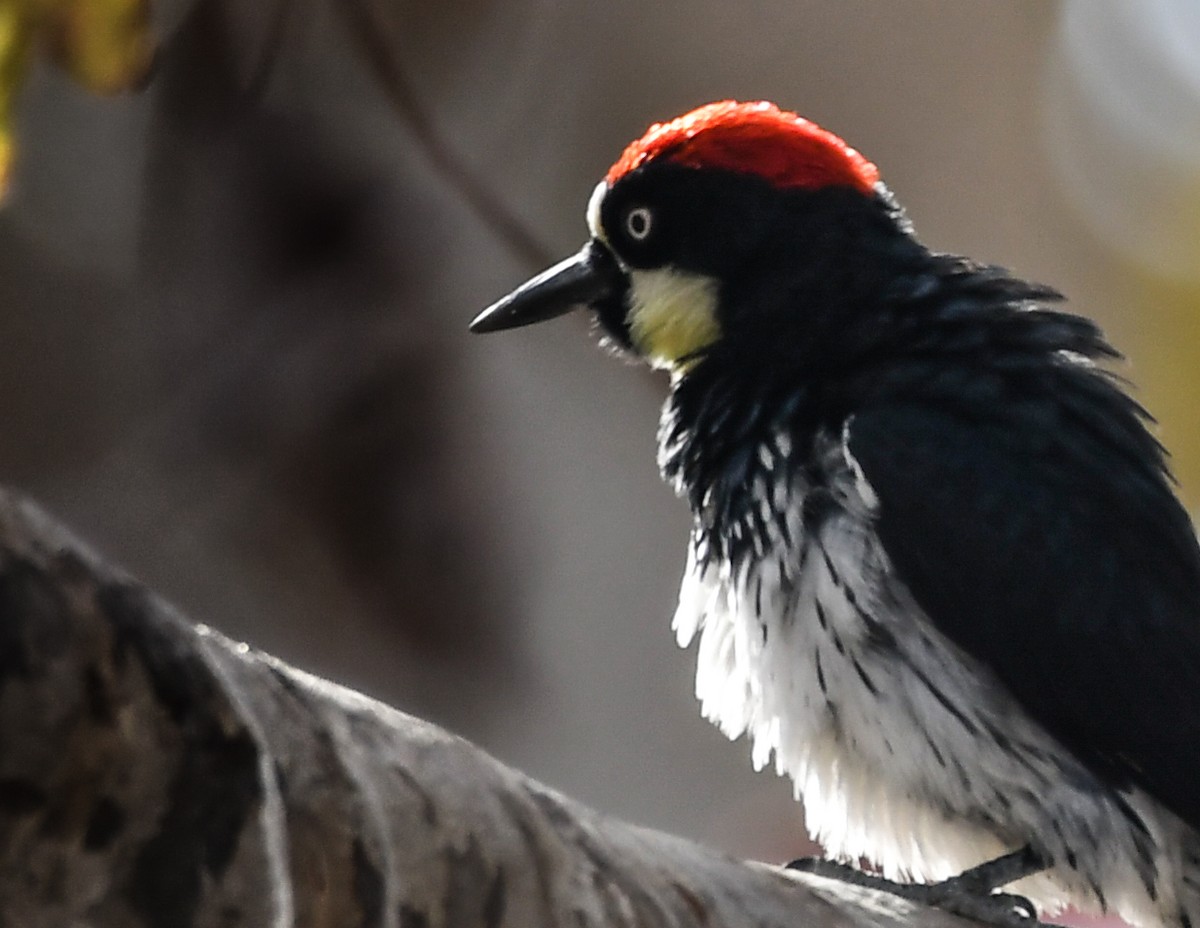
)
(155, 773)
(375, 27)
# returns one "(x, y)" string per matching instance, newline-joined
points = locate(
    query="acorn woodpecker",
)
(937, 568)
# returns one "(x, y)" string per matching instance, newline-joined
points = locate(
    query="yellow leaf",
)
(5, 159)
(104, 44)
(16, 33)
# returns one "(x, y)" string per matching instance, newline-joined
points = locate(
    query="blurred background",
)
(233, 313)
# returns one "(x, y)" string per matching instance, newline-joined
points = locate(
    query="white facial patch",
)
(593, 211)
(672, 315)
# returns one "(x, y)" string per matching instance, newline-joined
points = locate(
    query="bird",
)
(938, 570)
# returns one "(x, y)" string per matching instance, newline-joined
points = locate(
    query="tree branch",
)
(156, 774)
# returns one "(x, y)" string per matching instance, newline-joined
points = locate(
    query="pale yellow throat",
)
(672, 316)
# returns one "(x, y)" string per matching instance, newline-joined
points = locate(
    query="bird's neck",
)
(722, 431)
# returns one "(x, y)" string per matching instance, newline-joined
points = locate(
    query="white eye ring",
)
(638, 223)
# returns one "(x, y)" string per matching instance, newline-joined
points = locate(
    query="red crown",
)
(752, 138)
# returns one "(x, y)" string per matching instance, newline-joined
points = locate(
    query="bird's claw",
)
(1004, 910)
(1007, 910)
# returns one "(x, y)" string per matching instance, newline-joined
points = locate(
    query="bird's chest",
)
(810, 645)
(795, 647)
(785, 587)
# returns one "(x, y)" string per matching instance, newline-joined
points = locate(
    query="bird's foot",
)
(959, 895)
(1007, 910)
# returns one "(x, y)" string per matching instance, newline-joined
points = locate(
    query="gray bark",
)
(154, 773)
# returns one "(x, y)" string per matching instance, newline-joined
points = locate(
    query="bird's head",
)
(713, 226)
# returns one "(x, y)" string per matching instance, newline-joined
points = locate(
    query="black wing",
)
(1046, 542)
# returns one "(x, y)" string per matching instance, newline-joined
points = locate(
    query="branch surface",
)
(154, 773)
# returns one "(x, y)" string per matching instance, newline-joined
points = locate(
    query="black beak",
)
(588, 278)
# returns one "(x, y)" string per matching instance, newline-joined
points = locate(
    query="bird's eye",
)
(638, 223)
